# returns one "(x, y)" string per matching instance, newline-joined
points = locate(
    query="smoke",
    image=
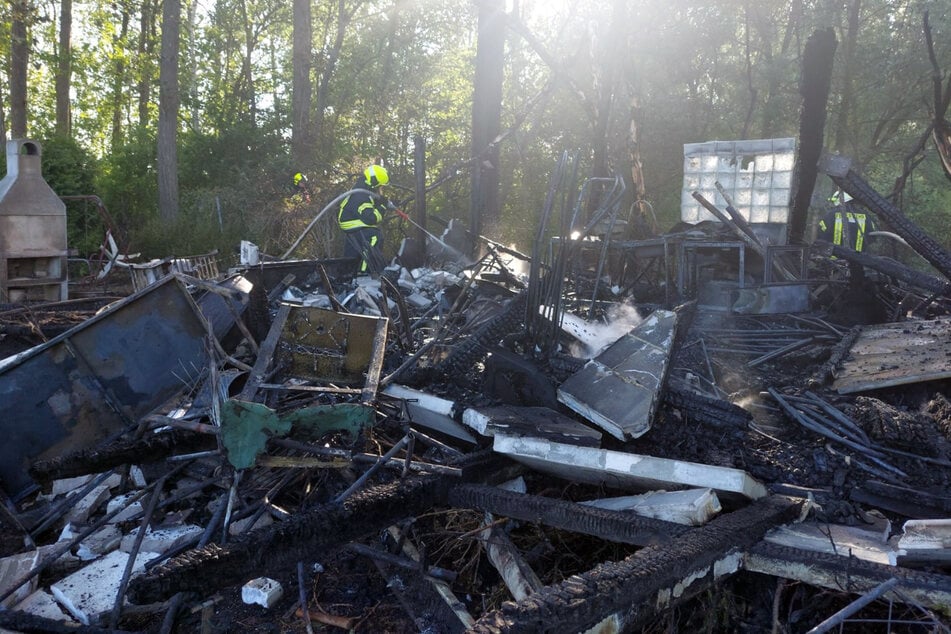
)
(595, 337)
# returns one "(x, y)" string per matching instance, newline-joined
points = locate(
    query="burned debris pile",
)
(601, 431)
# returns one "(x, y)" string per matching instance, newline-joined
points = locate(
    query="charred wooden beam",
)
(848, 574)
(617, 526)
(897, 270)
(706, 409)
(653, 579)
(308, 534)
(98, 459)
(839, 169)
(303, 537)
(474, 348)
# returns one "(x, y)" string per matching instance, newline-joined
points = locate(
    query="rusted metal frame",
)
(259, 372)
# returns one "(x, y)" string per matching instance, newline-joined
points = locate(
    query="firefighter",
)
(846, 224)
(301, 187)
(360, 216)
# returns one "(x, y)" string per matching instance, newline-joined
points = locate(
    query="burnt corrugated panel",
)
(94, 380)
(901, 353)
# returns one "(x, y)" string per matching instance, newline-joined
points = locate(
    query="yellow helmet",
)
(298, 177)
(375, 176)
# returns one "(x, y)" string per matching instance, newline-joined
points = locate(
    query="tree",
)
(21, 14)
(64, 68)
(168, 112)
(301, 88)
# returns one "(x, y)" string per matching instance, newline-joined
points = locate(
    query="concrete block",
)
(83, 510)
(418, 301)
(262, 591)
(126, 513)
(103, 541)
(835, 539)
(41, 603)
(161, 540)
(624, 470)
(67, 485)
(137, 476)
(14, 568)
(89, 594)
(693, 507)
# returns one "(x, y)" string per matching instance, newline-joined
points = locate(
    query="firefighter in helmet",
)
(359, 217)
(846, 224)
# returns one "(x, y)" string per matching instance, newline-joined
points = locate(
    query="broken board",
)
(900, 353)
(623, 470)
(620, 389)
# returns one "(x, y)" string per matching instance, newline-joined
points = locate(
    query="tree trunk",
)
(842, 132)
(19, 61)
(64, 68)
(300, 103)
(168, 111)
(145, 67)
(816, 79)
(485, 210)
(323, 88)
(118, 82)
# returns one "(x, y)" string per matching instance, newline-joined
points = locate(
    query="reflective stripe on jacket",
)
(359, 210)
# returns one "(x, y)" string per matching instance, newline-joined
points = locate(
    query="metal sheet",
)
(620, 389)
(326, 346)
(896, 354)
(94, 380)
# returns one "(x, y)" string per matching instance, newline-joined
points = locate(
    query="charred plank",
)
(644, 582)
(98, 459)
(848, 574)
(302, 537)
(617, 526)
(706, 409)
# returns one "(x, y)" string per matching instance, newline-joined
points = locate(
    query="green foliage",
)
(684, 72)
(70, 170)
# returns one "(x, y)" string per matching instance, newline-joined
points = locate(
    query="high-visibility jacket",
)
(360, 210)
(847, 227)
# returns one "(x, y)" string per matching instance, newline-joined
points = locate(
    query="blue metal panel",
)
(96, 379)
